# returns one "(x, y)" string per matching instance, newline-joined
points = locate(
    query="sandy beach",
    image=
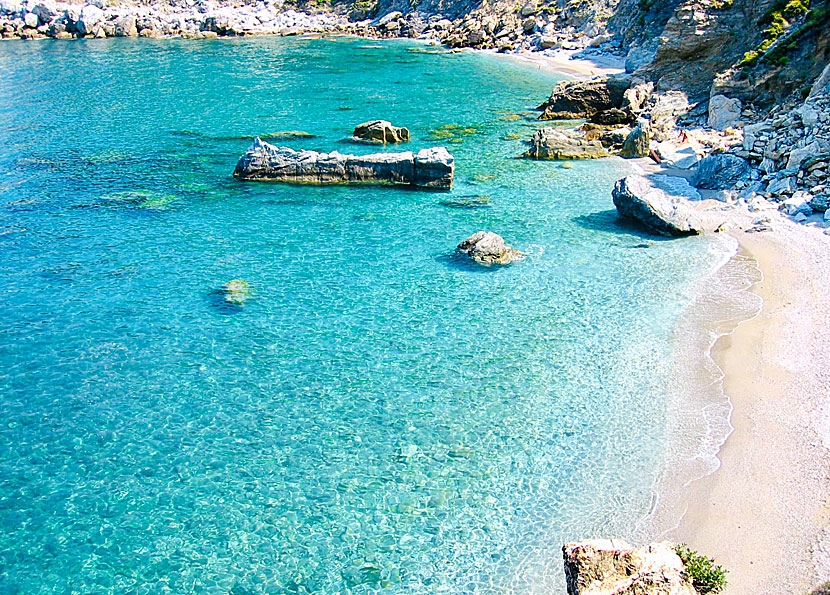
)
(764, 513)
(566, 62)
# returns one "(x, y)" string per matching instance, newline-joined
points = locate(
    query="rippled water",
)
(378, 416)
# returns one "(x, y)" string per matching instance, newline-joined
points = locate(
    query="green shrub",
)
(749, 59)
(707, 577)
(722, 4)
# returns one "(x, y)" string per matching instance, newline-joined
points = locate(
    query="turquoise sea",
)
(379, 417)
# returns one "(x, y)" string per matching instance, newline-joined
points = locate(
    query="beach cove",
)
(378, 416)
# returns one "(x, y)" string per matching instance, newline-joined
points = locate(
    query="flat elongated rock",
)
(429, 168)
(637, 198)
(486, 247)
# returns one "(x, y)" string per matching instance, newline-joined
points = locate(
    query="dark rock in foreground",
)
(380, 131)
(612, 567)
(429, 168)
(486, 247)
(637, 198)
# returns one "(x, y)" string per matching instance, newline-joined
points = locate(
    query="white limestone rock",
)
(724, 112)
(487, 248)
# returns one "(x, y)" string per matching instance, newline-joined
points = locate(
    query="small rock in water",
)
(380, 131)
(236, 292)
(486, 247)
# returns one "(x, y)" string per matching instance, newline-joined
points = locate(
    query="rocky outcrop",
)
(487, 248)
(553, 143)
(791, 150)
(611, 567)
(720, 172)
(380, 131)
(429, 168)
(639, 199)
(599, 99)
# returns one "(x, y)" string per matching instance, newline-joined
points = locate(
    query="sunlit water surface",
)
(378, 417)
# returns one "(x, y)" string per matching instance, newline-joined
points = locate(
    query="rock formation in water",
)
(554, 143)
(487, 248)
(637, 198)
(429, 168)
(236, 292)
(612, 567)
(381, 132)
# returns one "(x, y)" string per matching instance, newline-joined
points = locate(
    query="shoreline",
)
(762, 513)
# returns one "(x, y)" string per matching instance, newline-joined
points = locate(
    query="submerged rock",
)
(429, 168)
(486, 247)
(611, 567)
(551, 143)
(380, 131)
(638, 198)
(236, 292)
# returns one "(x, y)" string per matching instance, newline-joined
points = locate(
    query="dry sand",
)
(764, 513)
(567, 62)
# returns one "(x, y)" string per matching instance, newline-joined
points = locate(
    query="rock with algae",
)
(236, 292)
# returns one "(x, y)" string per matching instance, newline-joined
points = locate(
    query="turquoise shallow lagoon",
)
(379, 417)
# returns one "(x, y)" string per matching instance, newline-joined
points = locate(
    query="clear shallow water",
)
(378, 417)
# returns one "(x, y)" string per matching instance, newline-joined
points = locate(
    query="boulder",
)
(486, 247)
(126, 26)
(45, 12)
(380, 131)
(611, 567)
(638, 198)
(429, 168)
(636, 143)
(90, 17)
(720, 172)
(30, 20)
(584, 99)
(723, 112)
(552, 143)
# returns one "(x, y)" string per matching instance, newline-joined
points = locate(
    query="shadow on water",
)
(461, 262)
(609, 222)
(216, 302)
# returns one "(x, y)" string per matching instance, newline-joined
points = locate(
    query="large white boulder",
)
(90, 17)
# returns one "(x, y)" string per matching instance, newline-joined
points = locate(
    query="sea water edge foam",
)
(700, 410)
